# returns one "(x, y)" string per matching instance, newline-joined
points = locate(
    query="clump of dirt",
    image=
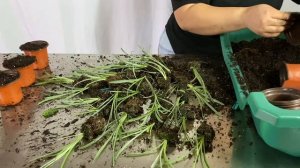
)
(169, 134)
(180, 79)
(93, 127)
(133, 106)
(8, 76)
(209, 134)
(191, 111)
(19, 61)
(261, 59)
(99, 89)
(145, 89)
(162, 83)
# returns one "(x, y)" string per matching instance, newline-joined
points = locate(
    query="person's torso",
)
(184, 42)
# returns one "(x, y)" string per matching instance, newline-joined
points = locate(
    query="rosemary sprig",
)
(199, 153)
(58, 80)
(157, 65)
(162, 159)
(63, 94)
(113, 138)
(65, 153)
(202, 94)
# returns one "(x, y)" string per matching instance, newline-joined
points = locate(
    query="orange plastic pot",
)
(39, 50)
(294, 84)
(293, 71)
(289, 72)
(290, 76)
(42, 60)
(27, 75)
(11, 93)
(25, 67)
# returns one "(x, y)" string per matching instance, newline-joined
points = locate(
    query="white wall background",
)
(83, 26)
(290, 6)
(87, 26)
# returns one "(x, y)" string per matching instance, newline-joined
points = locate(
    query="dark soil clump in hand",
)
(261, 59)
(18, 62)
(8, 76)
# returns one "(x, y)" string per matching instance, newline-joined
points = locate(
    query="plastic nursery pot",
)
(39, 50)
(289, 75)
(294, 84)
(10, 89)
(25, 66)
(292, 32)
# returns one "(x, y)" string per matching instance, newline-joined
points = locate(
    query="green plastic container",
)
(279, 128)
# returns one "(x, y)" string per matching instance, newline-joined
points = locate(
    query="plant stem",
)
(65, 153)
(65, 94)
(162, 159)
(199, 153)
(58, 80)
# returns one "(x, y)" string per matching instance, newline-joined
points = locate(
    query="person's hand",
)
(265, 20)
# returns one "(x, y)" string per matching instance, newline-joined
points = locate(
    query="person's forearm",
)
(209, 20)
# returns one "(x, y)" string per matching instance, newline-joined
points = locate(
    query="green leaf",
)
(50, 112)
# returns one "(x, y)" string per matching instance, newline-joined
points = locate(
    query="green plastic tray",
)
(279, 128)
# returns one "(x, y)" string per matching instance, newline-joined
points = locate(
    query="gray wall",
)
(290, 6)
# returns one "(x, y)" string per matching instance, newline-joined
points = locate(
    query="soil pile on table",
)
(260, 60)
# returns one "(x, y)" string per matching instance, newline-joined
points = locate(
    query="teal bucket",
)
(278, 127)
